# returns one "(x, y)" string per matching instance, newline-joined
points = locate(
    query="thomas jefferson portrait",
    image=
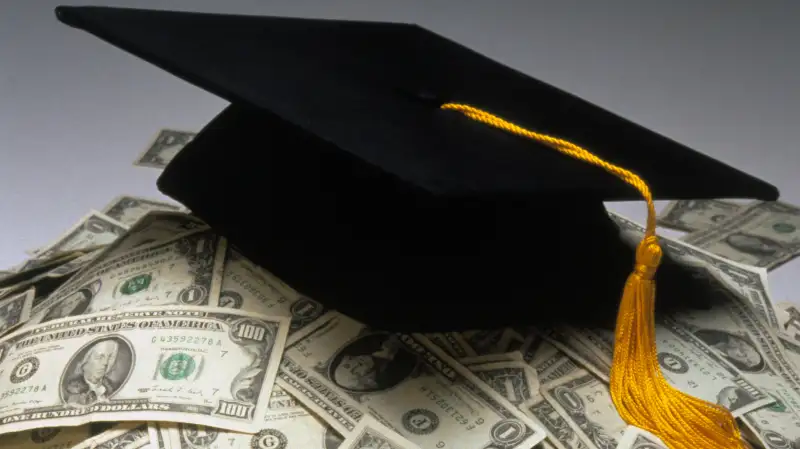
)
(74, 304)
(97, 371)
(374, 362)
(739, 351)
(753, 244)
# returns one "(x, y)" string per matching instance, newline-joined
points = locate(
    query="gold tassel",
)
(641, 394)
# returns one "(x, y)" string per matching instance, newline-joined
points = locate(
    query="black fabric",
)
(335, 169)
(373, 90)
(397, 257)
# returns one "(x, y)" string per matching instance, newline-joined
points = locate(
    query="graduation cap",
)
(336, 168)
(352, 165)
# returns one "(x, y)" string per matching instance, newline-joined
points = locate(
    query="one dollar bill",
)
(344, 371)
(206, 366)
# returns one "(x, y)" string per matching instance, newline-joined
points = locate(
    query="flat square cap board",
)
(336, 169)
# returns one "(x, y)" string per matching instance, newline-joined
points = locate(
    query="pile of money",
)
(141, 327)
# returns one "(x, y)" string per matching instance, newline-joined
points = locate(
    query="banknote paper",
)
(693, 368)
(636, 438)
(696, 215)
(732, 329)
(585, 402)
(561, 367)
(453, 344)
(514, 380)
(763, 235)
(577, 351)
(128, 209)
(93, 229)
(16, 310)
(246, 286)
(131, 435)
(343, 371)
(371, 434)
(167, 144)
(559, 432)
(201, 365)
(545, 356)
(748, 282)
(515, 356)
(287, 425)
(183, 271)
(789, 319)
(493, 341)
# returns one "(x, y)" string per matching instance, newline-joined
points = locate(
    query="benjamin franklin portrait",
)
(372, 363)
(739, 351)
(97, 371)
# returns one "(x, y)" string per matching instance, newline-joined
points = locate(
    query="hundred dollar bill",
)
(93, 229)
(693, 368)
(207, 366)
(287, 425)
(183, 271)
(246, 286)
(164, 147)
(559, 432)
(748, 282)
(15, 310)
(595, 421)
(371, 434)
(636, 438)
(696, 215)
(763, 235)
(128, 209)
(514, 380)
(344, 370)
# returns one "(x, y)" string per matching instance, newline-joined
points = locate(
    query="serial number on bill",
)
(23, 390)
(186, 339)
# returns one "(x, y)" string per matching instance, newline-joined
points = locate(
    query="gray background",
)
(719, 76)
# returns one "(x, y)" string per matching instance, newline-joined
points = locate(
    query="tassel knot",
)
(648, 257)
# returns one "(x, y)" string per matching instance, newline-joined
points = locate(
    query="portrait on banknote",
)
(332, 439)
(97, 371)
(756, 245)
(372, 362)
(44, 435)
(74, 304)
(736, 349)
(197, 436)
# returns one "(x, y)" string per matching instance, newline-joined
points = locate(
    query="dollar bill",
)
(763, 235)
(493, 341)
(16, 310)
(636, 438)
(577, 351)
(131, 435)
(559, 432)
(544, 357)
(286, 425)
(562, 366)
(690, 366)
(201, 365)
(344, 370)
(371, 434)
(515, 356)
(585, 402)
(748, 282)
(789, 319)
(514, 380)
(164, 147)
(128, 209)
(93, 229)
(733, 330)
(453, 343)
(246, 286)
(696, 215)
(183, 271)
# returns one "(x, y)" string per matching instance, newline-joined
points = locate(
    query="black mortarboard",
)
(335, 168)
